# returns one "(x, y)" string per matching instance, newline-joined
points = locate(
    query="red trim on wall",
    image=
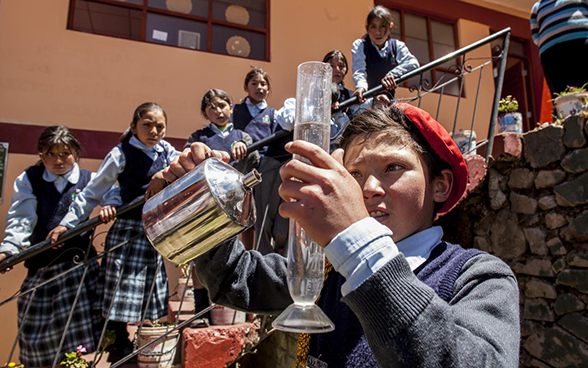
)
(96, 144)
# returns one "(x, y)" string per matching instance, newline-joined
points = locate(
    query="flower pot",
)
(160, 354)
(466, 141)
(571, 104)
(511, 122)
(221, 315)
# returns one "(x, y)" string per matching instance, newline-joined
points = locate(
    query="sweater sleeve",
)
(479, 327)
(244, 280)
(405, 59)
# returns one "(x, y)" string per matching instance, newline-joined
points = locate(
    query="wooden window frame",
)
(428, 19)
(144, 8)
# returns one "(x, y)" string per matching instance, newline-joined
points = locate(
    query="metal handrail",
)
(71, 233)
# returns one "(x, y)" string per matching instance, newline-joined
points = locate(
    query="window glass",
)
(416, 37)
(397, 29)
(192, 7)
(175, 31)
(443, 40)
(236, 42)
(107, 20)
(231, 27)
(245, 12)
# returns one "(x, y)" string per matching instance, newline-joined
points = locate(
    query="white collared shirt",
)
(22, 215)
(222, 133)
(113, 164)
(364, 247)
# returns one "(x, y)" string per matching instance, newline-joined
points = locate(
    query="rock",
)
(558, 348)
(217, 346)
(536, 239)
(576, 161)
(556, 247)
(529, 220)
(578, 260)
(578, 279)
(496, 181)
(497, 199)
(573, 134)
(577, 230)
(483, 226)
(549, 178)
(522, 204)
(574, 192)
(482, 243)
(568, 303)
(508, 239)
(538, 310)
(535, 288)
(558, 265)
(535, 363)
(544, 146)
(577, 324)
(534, 267)
(513, 144)
(530, 327)
(555, 220)
(476, 170)
(521, 179)
(547, 202)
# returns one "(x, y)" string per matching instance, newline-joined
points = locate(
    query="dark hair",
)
(210, 94)
(257, 71)
(59, 134)
(381, 13)
(139, 111)
(335, 92)
(398, 127)
(336, 54)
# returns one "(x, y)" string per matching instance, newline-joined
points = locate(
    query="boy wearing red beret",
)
(398, 295)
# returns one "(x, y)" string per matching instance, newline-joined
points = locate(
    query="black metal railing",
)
(456, 74)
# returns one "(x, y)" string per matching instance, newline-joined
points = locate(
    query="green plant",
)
(571, 89)
(74, 359)
(150, 323)
(507, 105)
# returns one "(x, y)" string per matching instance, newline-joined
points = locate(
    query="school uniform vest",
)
(135, 177)
(347, 346)
(376, 66)
(52, 206)
(216, 142)
(259, 127)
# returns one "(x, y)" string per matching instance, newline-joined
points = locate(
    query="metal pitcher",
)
(205, 207)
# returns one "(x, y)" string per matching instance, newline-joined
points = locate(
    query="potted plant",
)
(571, 101)
(161, 353)
(509, 119)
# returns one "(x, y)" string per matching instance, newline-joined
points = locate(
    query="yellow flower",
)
(12, 364)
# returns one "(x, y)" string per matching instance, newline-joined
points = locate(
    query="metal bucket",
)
(205, 207)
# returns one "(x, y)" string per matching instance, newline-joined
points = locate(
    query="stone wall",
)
(531, 210)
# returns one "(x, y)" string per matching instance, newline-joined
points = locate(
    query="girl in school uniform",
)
(40, 199)
(138, 159)
(377, 58)
(221, 134)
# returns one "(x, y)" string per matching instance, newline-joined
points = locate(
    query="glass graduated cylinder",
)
(306, 260)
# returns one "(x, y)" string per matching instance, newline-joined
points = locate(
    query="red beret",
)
(442, 143)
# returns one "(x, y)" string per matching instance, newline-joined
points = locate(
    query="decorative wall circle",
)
(238, 46)
(179, 6)
(237, 14)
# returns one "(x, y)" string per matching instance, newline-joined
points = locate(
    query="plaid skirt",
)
(135, 263)
(44, 323)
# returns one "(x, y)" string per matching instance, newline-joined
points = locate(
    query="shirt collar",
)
(380, 49)
(260, 105)
(135, 142)
(216, 129)
(417, 247)
(72, 175)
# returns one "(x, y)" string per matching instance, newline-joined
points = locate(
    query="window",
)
(428, 39)
(231, 27)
